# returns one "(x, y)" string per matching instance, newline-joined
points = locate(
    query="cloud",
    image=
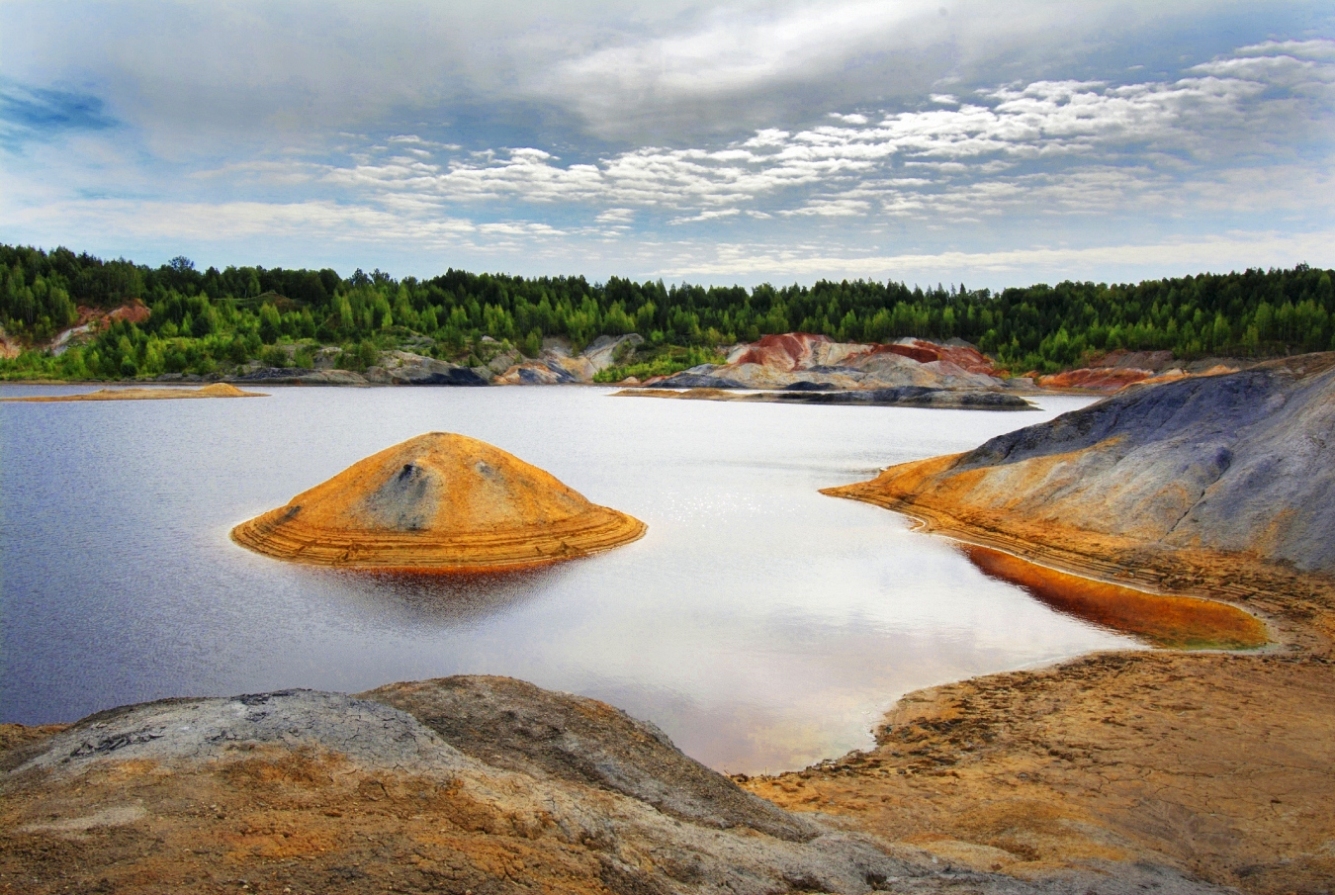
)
(607, 129)
(1063, 146)
(706, 216)
(1221, 253)
(190, 75)
(740, 62)
(616, 216)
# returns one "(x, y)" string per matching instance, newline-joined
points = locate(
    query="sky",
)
(987, 143)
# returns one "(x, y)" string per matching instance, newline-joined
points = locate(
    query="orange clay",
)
(1167, 621)
(438, 503)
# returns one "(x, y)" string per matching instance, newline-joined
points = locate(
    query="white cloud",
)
(707, 216)
(1059, 146)
(1223, 253)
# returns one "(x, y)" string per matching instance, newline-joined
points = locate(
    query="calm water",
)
(761, 624)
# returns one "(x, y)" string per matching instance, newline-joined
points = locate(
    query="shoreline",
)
(1064, 562)
(1184, 758)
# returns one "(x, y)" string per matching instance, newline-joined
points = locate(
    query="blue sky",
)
(990, 143)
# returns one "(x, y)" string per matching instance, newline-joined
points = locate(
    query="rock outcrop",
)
(812, 362)
(406, 368)
(1238, 462)
(557, 365)
(438, 502)
(1118, 369)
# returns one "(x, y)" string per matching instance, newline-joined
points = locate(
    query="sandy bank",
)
(217, 390)
(1221, 767)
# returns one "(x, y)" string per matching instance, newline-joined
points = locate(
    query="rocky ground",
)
(1220, 767)
(462, 785)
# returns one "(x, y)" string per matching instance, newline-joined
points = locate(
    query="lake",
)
(762, 625)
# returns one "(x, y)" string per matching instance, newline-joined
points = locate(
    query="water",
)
(762, 625)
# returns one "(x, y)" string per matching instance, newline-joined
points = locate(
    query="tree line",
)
(202, 321)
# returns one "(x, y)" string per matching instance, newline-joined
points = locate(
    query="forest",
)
(209, 321)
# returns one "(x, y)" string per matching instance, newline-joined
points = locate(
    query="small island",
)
(438, 503)
(216, 390)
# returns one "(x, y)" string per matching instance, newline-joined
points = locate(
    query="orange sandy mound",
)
(217, 390)
(1167, 621)
(438, 503)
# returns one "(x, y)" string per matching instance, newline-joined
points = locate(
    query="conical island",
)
(439, 503)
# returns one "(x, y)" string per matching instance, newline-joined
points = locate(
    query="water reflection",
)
(1159, 619)
(434, 599)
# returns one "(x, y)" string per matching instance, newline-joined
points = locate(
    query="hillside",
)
(1236, 462)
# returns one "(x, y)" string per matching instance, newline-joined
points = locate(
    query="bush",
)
(531, 344)
(273, 356)
(664, 363)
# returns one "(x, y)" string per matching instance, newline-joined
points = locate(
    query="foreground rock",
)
(217, 390)
(457, 785)
(439, 502)
(806, 361)
(906, 396)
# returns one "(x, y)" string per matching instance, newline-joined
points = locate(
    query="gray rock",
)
(405, 368)
(583, 779)
(373, 733)
(1240, 461)
(602, 350)
(513, 724)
